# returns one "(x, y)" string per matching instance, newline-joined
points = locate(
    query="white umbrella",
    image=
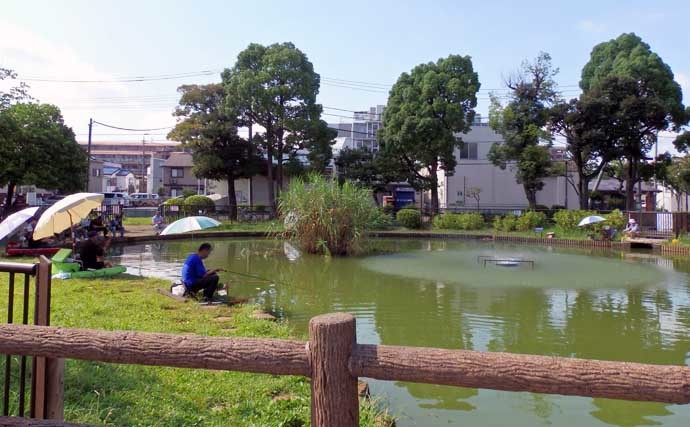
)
(592, 219)
(191, 223)
(65, 213)
(14, 221)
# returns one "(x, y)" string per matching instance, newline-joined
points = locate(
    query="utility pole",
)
(88, 157)
(143, 163)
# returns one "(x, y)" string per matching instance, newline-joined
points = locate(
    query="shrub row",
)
(466, 221)
(525, 222)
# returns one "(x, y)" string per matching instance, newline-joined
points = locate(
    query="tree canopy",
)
(275, 87)
(522, 123)
(37, 148)
(211, 131)
(426, 110)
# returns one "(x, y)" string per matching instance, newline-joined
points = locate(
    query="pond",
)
(575, 303)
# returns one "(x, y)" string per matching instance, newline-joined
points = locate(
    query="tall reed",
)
(325, 217)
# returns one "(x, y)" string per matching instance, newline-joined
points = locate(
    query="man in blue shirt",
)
(195, 276)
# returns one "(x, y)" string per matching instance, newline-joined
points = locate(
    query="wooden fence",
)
(334, 360)
(45, 399)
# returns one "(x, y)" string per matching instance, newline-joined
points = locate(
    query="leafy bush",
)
(505, 223)
(326, 217)
(616, 219)
(467, 221)
(194, 205)
(389, 209)
(409, 218)
(567, 220)
(379, 220)
(174, 201)
(529, 220)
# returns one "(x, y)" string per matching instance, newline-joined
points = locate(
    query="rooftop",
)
(179, 159)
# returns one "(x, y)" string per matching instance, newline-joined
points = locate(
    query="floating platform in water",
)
(504, 262)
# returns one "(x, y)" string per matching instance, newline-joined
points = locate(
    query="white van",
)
(143, 199)
(116, 198)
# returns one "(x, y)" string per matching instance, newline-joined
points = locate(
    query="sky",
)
(359, 48)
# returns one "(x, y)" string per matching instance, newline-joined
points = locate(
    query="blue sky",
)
(356, 40)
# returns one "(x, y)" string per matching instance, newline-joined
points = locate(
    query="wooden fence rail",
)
(334, 360)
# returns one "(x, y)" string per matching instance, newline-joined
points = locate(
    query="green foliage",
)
(505, 223)
(15, 94)
(210, 130)
(529, 220)
(161, 191)
(196, 205)
(174, 201)
(275, 87)
(465, 221)
(640, 99)
(522, 124)
(627, 56)
(37, 148)
(426, 109)
(616, 219)
(325, 217)
(567, 220)
(380, 220)
(409, 218)
(186, 192)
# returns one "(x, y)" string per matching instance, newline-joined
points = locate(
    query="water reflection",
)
(589, 304)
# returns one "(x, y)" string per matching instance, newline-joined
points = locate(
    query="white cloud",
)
(32, 55)
(684, 81)
(589, 26)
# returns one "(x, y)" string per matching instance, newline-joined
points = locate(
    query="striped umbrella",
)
(191, 223)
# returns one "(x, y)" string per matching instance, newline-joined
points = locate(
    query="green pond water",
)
(574, 303)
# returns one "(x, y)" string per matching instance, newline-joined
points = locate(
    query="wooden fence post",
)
(47, 387)
(334, 400)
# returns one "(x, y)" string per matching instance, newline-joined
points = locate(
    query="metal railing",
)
(334, 360)
(44, 391)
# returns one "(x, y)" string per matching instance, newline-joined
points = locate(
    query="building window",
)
(177, 173)
(174, 192)
(96, 172)
(469, 151)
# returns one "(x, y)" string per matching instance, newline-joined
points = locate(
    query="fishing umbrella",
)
(14, 221)
(592, 219)
(191, 223)
(66, 212)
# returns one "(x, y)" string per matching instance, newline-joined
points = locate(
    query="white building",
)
(498, 188)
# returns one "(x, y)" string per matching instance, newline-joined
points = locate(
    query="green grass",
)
(112, 394)
(128, 220)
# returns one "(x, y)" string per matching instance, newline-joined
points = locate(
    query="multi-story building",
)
(132, 156)
(362, 132)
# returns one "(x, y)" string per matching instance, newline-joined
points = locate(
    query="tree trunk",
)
(279, 166)
(269, 178)
(8, 200)
(630, 185)
(531, 197)
(434, 190)
(232, 198)
(582, 186)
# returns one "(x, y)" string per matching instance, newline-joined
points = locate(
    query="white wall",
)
(498, 187)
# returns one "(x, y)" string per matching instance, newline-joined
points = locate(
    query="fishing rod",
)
(251, 276)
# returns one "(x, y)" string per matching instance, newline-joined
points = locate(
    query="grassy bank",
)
(100, 393)
(225, 225)
(559, 234)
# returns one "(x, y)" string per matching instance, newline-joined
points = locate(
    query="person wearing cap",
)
(92, 252)
(632, 230)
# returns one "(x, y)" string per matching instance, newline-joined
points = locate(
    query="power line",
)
(136, 79)
(132, 130)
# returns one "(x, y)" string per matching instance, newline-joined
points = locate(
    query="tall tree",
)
(427, 109)
(522, 123)
(210, 130)
(37, 148)
(275, 87)
(367, 169)
(635, 64)
(15, 93)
